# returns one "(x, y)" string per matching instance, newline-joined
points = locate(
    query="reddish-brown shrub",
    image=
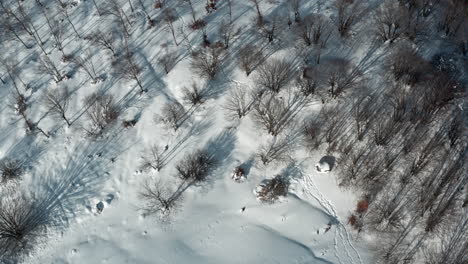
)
(362, 207)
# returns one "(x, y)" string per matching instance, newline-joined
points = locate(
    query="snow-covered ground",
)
(72, 173)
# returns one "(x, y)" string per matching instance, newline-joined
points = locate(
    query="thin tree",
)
(57, 101)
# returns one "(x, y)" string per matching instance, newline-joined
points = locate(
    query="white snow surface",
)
(75, 173)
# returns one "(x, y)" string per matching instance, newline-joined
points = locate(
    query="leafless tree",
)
(57, 31)
(406, 65)
(115, 10)
(349, 11)
(21, 223)
(454, 17)
(173, 114)
(57, 101)
(278, 149)
(196, 166)
(47, 66)
(456, 128)
(314, 29)
(87, 65)
(238, 103)
(296, 7)
(127, 67)
(13, 72)
(9, 170)
(249, 57)
(193, 94)
(362, 113)
(153, 158)
(335, 123)
(103, 40)
(169, 17)
(341, 76)
(227, 32)
(101, 112)
(20, 17)
(256, 3)
(274, 74)
(390, 21)
(311, 134)
(168, 60)
(271, 28)
(63, 9)
(277, 112)
(159, 198)
(207, 62)
(11, 30)
(454, 243)
(190, 4)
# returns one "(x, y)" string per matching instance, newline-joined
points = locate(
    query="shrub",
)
(270, 190)
(20, 225)
(195, 166)
(362, 207)
(9, 170)
(158, 198)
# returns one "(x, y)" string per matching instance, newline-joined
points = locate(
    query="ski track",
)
(311, 189)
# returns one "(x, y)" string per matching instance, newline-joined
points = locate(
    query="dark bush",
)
(270, 190)
(9, 170)
(195, 166)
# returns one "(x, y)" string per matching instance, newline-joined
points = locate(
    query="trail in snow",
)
(351, 252)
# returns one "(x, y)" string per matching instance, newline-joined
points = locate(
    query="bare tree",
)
(314, 29)
(20, 17)
(274, 74)
(238, 103)
(256, 3)
(63, 8)
(390, 21)
(87, 65)
(12, 30)
(159, 198)
(57, 30)
(454, 17)
(9, 170)
(103, 40)
(193, 94)
(406, 65)
(207, 62)
(153, 159)
(57, 101)
(296, 7)
(277, 113)
(249, 57)
(196, 166)
(335, 123)
(278, 149)
(169, 17)
(21, 223)
(362, 113)
(311, 134)
(115, 10)
(173, 114)
(227, 31)
(47, 66)
(101, 112)
(127, 67)
(348, 14)
(341, 76)
(168, 60)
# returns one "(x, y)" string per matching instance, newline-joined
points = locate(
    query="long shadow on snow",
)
(63, 188)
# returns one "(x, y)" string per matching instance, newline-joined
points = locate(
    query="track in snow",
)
(342, 235)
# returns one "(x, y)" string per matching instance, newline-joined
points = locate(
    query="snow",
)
(91, 185)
